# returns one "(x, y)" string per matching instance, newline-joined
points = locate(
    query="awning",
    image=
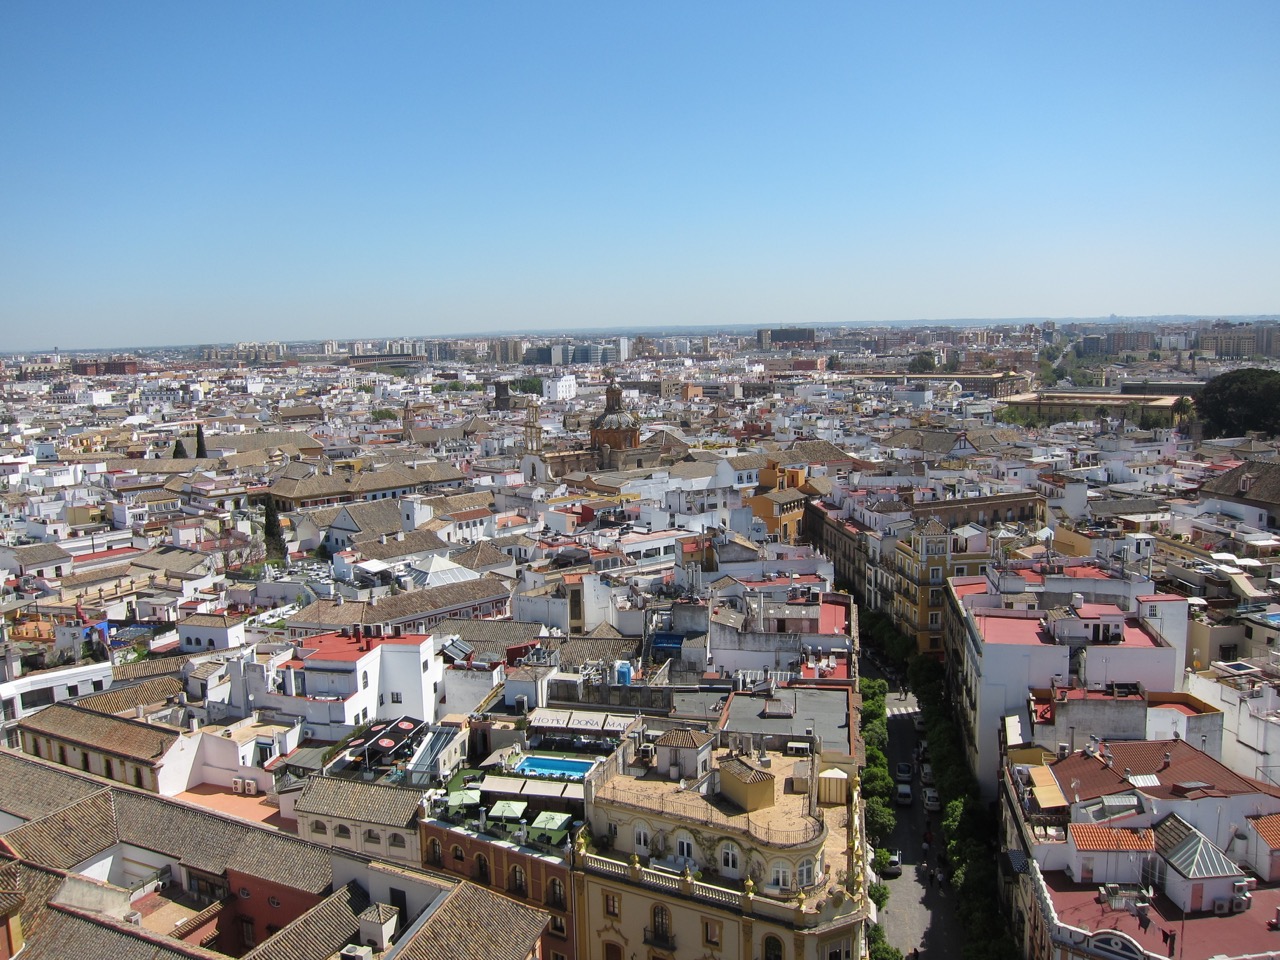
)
(1013, 735)
(464, 798)
(1197, 601)
(508, 810)
(551, 820)
(1044, 787)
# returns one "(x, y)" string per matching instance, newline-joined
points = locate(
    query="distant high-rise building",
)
(624, 349)
(791, 336)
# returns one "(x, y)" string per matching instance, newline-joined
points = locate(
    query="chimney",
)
(1077, 601)
(1168, 759)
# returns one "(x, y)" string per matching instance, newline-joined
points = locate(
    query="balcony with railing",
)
(662, 939)
(834, 900)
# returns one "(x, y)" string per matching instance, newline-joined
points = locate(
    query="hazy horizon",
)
(201, 174)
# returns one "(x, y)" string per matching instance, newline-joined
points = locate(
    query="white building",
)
(558, 389)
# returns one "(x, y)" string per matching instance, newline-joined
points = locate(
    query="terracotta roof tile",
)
(320, 932)
(1092, 836)
(132, 739)
(476, 924)
(1268, 828)
(379, 803)
(683, 737)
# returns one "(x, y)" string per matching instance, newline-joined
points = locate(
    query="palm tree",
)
(1182, 408)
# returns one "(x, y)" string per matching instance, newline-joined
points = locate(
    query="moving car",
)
(903, 795)
(932, 801)
(903, 773)
(926, 774)
(918, 722)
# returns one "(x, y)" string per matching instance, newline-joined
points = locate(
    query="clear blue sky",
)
(196, 172)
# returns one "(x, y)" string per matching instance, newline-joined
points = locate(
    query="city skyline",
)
(208, 175)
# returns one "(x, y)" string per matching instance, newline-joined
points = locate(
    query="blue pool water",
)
(554, 767)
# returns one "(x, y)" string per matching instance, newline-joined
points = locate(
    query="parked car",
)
(926, 774)
(932, 800)
(918, 722)
(903, 796)
(903, 773)
(894, 868)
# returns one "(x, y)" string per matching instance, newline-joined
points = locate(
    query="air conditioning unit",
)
(1221, 907)
(356, 952)
(1239, 888)
(1241, 904)
(250, 788)
(648, 751)
(237, 785)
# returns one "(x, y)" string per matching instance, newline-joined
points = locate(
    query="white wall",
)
(177, 772)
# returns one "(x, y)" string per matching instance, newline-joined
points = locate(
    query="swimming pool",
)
(554, 767)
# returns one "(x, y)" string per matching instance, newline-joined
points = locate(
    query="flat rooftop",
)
(824, 710)
(1199, 934)
(786, 822)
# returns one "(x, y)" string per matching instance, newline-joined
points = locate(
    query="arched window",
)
(612, 951)
(364, 679)
(772, 948)
(482, 868)
(437, 852)
(372, 836)
(317, 826)
(517, 879)
(729, 858)
(458, 854)
(555, 893)
(661, 921)
(395, 840)
(684, 846)
(781, 875)
(342, 832)
(804, 876)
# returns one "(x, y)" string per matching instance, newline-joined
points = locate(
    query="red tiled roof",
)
(1268, 828)
(1092, 836)
(1088, 777)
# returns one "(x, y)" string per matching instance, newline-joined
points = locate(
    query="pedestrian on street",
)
(930, 873)
(925, 855)
(941, 877)
(915, 954)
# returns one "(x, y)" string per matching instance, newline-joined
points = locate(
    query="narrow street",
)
(919, 914)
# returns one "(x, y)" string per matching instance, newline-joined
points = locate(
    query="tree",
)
(876, 782)
(881, 820)
(1233, 403)
(922, 362)
(201, 450)
(179, 451)
(272, 532)
(1182, 408)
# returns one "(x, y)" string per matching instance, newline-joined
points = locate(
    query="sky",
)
(198, 172)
